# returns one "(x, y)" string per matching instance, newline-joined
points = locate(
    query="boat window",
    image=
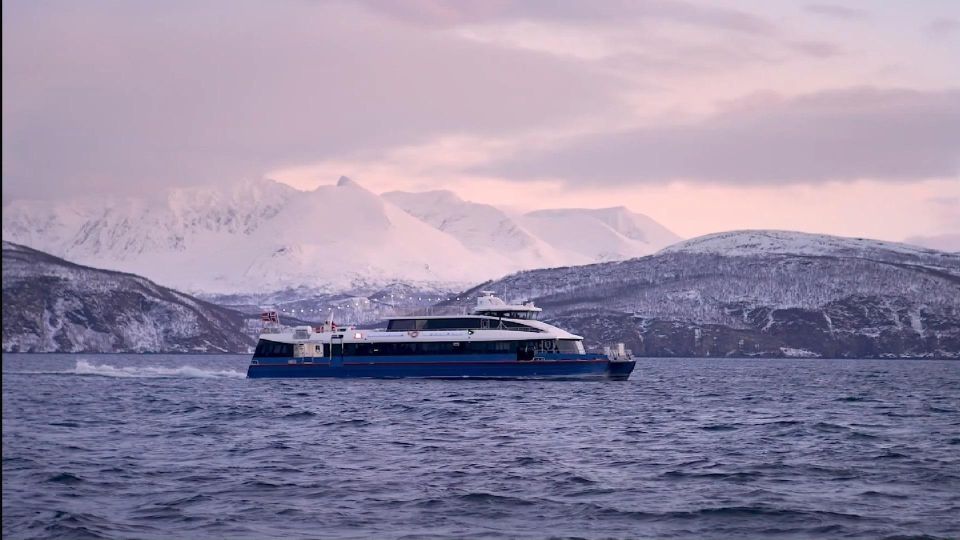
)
(464, 323)
(452, 323)
(402, 324)
(512, 325)
(402, 348)
(570, 346)
(443, 347)
(274, 349)
(523, 315)
(409, 324)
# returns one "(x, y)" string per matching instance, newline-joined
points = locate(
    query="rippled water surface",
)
(118, 446)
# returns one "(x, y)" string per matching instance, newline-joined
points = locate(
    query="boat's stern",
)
(621, 362)
(620, 370)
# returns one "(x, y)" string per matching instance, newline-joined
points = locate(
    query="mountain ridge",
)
(845, 299)
(262, 236)
(54, 305)
(853, 298)
(752, 241)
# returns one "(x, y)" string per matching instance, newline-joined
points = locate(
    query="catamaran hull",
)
(594, 369)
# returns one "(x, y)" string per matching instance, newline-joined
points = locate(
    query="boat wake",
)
(106, 370)
(84, 367)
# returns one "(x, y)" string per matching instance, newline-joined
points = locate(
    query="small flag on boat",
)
(270, 316)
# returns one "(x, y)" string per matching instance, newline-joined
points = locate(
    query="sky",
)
(827, 117)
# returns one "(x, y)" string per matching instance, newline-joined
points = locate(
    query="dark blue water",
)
(119, 446)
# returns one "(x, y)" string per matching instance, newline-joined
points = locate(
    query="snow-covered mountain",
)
(765, 242)
(759, 293)
(606, 234)
(123, 229)
(261, 237)
(482, 228)
(543, 238)
(52, 305)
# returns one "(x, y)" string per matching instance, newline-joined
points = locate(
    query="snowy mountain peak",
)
(348, 185)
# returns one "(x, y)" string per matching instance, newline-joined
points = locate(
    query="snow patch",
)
(916, 322)
(599, 234)
(790, 352)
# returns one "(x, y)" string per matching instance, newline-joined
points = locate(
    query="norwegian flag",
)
(270, 316)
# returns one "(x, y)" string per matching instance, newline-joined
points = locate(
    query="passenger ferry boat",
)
(498, 340)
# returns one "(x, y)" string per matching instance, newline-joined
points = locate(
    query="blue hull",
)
(576, 367)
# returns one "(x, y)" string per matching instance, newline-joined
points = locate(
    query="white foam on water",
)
(105, 370)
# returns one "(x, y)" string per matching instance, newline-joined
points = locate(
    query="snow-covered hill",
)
(764, 242)
(262, 237)
(606, 234)
(482, 228)
(762, 293)
(542, 238)
(51, 305)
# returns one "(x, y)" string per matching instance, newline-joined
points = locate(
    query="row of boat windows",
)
(453, 323)
(270, 348)
(511, 314)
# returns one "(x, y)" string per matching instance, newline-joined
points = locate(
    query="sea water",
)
(154, 446)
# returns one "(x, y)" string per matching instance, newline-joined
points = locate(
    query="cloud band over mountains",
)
(832, 135)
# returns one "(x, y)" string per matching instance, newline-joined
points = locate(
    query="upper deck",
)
(490, 313)
(490, 305)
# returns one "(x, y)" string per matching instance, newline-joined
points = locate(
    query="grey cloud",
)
(836, 12)
(452, 12)
(836, 135)
(816, 49)
(943, 27)
(949, 242)
(113, 96)
(947, 211)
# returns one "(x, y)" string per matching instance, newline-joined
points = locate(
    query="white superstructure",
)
(492, 320)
